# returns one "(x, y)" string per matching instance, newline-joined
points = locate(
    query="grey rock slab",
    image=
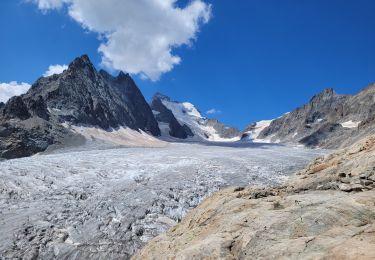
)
(345, 187)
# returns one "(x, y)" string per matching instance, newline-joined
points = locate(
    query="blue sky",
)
(252, 60)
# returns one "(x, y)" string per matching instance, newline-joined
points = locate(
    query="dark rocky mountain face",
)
(361, 106)
(321, 122)
(22, 138)
(164, 115)
(307, 119)
(80, 96)
(16, 108)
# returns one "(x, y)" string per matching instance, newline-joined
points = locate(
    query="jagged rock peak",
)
(79, 96)
(104, 73)
(120, 77)
(325, 94)
(81, 62)
(123, 75)
(161, 96)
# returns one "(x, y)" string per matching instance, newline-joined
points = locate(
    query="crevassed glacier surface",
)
(105, 204)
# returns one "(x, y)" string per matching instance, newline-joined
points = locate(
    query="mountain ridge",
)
(328, 120)
(71, 107)
(80, 95)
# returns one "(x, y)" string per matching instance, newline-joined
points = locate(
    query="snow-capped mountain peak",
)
(189, 117)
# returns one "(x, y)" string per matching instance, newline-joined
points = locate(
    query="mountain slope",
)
(252, 132)
(167, 121)
(329, 120)
(190, 121)
(79, 96)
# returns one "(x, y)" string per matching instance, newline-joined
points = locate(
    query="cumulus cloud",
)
(137, 36)
(55, 69)
(8, 90)
(213, 111)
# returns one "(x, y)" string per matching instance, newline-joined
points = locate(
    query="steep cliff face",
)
(328, 120)
(79, 96)
(167, 120)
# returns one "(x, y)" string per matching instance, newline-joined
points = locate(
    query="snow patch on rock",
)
(254, 133)
(350, 124)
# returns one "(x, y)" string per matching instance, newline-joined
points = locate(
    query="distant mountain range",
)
(56, 109)
(82, 103)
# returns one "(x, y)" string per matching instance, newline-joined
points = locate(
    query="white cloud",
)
(49, 4)
(55, 69)
(8, 90)
(213, 111)
(137, 36)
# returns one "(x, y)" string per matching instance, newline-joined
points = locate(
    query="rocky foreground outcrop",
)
(327, 211)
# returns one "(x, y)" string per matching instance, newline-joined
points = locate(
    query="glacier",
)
(107, 203)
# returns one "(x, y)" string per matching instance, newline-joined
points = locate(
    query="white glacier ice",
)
(105, 204)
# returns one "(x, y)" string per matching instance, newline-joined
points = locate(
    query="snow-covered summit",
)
(188, 115)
